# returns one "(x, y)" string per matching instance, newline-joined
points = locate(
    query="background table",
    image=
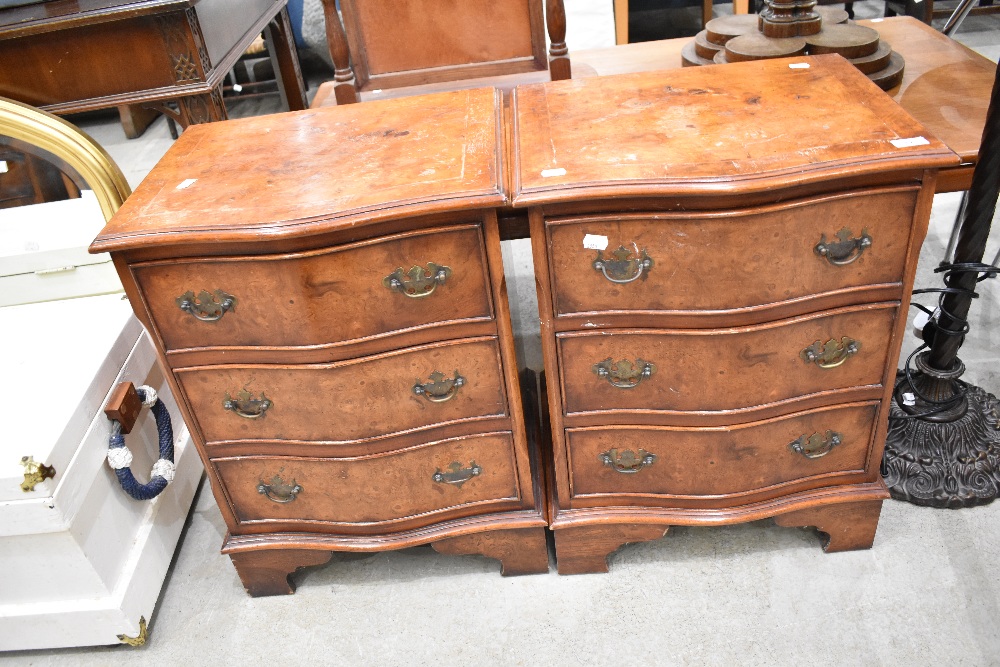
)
(68, 56)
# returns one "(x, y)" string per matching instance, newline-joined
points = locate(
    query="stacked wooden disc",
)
(742, 37)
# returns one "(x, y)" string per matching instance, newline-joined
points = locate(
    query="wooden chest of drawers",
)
(724, 260)
(326, 289)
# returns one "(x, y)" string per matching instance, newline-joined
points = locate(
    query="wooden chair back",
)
(395, 43)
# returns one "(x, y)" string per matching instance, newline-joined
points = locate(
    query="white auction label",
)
(186, 183)
(798, 66)
(907, 143)
(3, 167)
(595, 242)
(549, 173)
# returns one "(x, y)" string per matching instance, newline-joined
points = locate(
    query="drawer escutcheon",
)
(278, 490)
(623, 374)
(621, 267)
(246, 406)
(831, 354)
(816, 445)
(418, 282)
(845, 249)
(207, 306)
(456, 475)
(626, 461)
(440, 388)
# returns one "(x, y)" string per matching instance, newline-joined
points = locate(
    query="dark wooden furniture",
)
(399, 43)
(29, 175)
(67, 56)
(341, 347)
(724, 265)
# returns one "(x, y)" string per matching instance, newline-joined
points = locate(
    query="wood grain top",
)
(295, 174)
(743, 127)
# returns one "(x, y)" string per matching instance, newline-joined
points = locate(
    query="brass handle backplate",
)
(816, 445)
(417, 282)
(207, 306)
(440, 388)
(622, 267)
(246, 405)
(626, 461)
(845, 249)
(623, 374)
(456, 475)
(831, 354)
(278, 490)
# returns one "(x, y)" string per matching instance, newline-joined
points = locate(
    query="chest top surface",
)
(299, 173)
(741, 127)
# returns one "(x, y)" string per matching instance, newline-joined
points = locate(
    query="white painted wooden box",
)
(43, 252)
(80, 561)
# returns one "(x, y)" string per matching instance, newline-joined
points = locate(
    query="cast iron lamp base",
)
(950, 459)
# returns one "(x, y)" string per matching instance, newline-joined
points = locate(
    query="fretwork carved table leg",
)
(195, 109)
(266, 572)
(585, 550)
(848, 526)
(520, 550)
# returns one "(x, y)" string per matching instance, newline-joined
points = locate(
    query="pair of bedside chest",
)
(723, 258)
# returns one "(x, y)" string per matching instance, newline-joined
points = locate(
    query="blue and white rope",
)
(120, 457)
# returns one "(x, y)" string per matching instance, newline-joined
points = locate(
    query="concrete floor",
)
(754, 594)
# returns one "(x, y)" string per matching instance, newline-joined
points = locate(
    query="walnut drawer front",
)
(348, 401)
(724, 369)
(434, 478)
(720, 261)
(323, 297)
(659, 461)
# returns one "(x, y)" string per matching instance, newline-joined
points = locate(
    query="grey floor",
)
(928, 593)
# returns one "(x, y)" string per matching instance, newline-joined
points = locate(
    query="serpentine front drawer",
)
(349, 401)
(456, 476)
(659, 463)
(321, 298)
(745, 259)
(725, 369)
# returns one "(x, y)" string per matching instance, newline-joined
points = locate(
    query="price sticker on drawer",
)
(595, 242)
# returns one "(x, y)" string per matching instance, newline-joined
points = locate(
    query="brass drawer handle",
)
(816, 445)
(207, 306)
(832, 354)
(456, 475)
(626, 462)
(621, 267)
(624, 374)
(278, 490)
(420, 282)
(845, 249)
(440, 388)
(246, 406)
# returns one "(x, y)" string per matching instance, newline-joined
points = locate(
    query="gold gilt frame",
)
(53, 134)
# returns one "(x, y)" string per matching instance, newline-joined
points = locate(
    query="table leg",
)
(621, 21)
(195, 109)
(285, 59)
(741, 6)
(135, 119)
